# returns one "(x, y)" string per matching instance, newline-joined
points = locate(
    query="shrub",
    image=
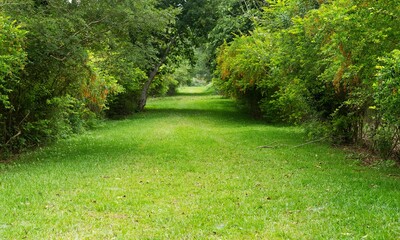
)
(12, 62)
(387, 102)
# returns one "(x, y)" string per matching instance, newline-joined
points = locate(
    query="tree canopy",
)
(331, 64)
(320, 62)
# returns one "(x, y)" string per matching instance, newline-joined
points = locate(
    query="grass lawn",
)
(190, 168)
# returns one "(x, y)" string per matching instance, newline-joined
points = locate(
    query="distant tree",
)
(190, 28)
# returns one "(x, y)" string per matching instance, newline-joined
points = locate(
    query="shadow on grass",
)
(217, 115)
(218, 111)
(200, 94)
(233, 121)
(221, 110)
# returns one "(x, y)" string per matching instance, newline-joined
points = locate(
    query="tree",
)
(233, 18)
(80, 55)
(12, 57)
(189, 28)
(12, 62)
(319, 59)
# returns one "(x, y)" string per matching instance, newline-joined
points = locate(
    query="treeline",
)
(66, 63)
(333, 65)
(63, 63)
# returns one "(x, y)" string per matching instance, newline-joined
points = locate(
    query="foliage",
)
(56, 68)
(12, 57)
(233, 18)
(185, 32)
(316, 63)
(241, 68)
(12, 62)
(292, 61)
(387, 100)
(199, 73)
(387, 86)
(163, 85)
(130, 79)
(83, 57)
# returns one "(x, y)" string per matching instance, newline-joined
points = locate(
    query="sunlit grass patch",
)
(190, 168)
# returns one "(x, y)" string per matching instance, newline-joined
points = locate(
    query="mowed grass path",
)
(189, 168)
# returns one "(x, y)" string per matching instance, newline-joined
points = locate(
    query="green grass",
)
(189, 168)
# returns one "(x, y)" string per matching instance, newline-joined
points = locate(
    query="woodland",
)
(331, 66)
(199, 119)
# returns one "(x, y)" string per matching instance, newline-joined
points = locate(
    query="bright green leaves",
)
(89, 53)
(241, 63)
(266, 64)
(349, 38)
(387, 88)
(386, 131)
(12, 58)
(318, 58)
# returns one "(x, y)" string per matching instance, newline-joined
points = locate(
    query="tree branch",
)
(314, 141)
(19, 131)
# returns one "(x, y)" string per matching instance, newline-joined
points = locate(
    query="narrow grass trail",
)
(189, 168)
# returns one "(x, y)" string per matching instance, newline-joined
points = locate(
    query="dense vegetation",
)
(332, 65)
(65, 63)
(194, 166)
(71, 62)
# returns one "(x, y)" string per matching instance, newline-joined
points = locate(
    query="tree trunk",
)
(143, 96)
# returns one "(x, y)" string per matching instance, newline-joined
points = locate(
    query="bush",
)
(384, 141)
(12, 62)
(12, 57)
(387, 88)
(130, 78)
(387, 101)
(315, 129)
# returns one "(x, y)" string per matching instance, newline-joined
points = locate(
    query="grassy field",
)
(190, 168)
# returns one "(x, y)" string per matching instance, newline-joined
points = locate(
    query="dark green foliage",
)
(234, 17)
(12, 59)
(88, 58)
(46, 101)
(64, 63)
(130, 78)
(12, 62)
(81, 58)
